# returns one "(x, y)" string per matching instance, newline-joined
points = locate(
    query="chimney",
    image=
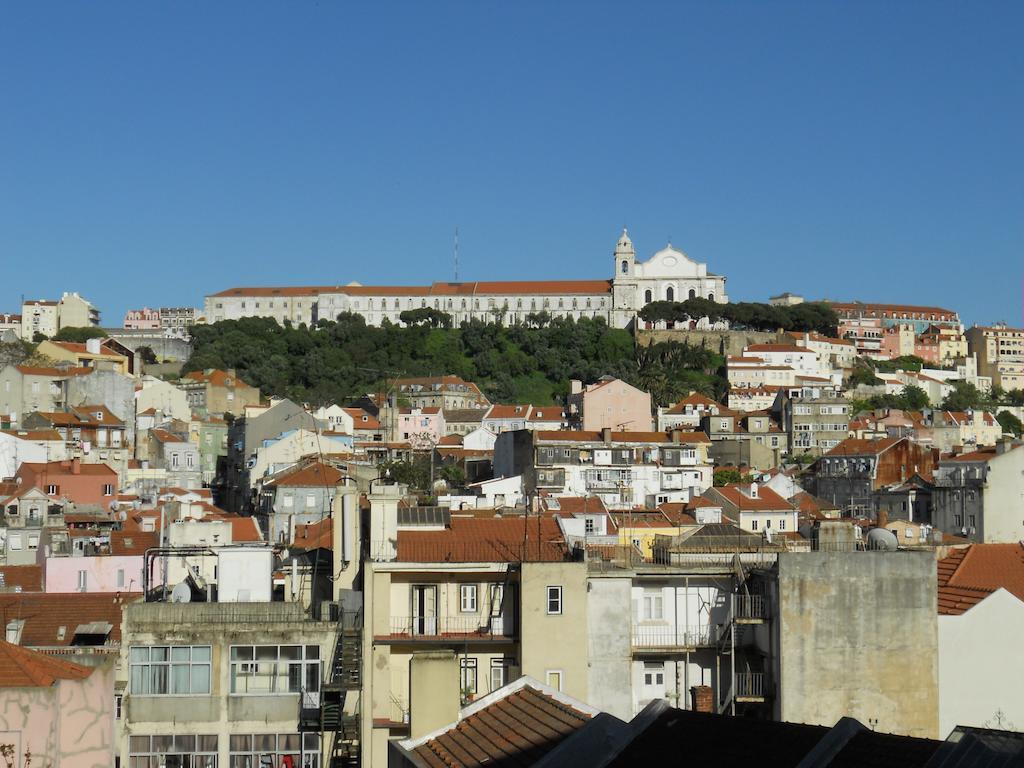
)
(677, 436)
(575, 386)
(883, 518)
(76, 466)
(753, 490)
(702, 698)
(606, 435)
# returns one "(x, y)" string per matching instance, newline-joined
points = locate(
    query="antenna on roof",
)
(456, 254)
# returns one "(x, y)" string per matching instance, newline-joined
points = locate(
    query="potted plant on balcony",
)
(468, 695)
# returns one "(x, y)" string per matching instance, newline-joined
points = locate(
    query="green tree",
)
(79, 334)
(1010, 423)
(964, 396)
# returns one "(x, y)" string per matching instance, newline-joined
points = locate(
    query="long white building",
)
(669, 275)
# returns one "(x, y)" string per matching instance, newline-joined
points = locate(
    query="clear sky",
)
(153, 152)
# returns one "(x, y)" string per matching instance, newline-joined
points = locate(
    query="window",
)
(83, 581)
(782, 525)
(170, 670)
(553, 677)
(467, 675)
(287, 501)
(310, 501)
(274, 749)
(654, 673)
(108, 489)
(118, 698)
(588, 525)
(554, 600)
(499, 673)
(652, 606)
(625, 267)
(174, 461)
(670, 294)
(33, 540)
(120, 578)
(189, 460)
(186, 751)
(753, 525)
(52, 490)
(467, 598)
(275, 669)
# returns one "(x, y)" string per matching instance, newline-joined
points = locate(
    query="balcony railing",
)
(650, 638)
(451, 627)
(750, 685)
(750, 607)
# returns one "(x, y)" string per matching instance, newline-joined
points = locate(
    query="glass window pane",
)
(140, 679)
(158, 678)
(138, 745)
(241, 652)
(266, 742)
(266, 652)
(139, 653)
(158, 653)
(207, 743)
(312, 651)
(201, 653)
(180, 653)
(240, 743)
(201, 680)
(313, 677)
(312, 741)
(185, 744)
(179, 678)
(161, 743)
(291, 651)
(288, 742)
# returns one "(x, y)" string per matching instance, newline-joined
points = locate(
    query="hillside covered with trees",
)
(337, 361)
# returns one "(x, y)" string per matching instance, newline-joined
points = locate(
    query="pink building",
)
(100, 573)
(423, 427)
(59, 712)
(142, 319)
(610, 404)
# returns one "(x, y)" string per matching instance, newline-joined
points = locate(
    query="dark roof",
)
(516, 730)
(870, 749)
(678, 737)
(21, 578)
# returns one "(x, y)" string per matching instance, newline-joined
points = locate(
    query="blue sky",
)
(154, 152)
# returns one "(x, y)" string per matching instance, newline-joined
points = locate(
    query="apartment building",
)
(688, 412)
(978, 494)
(609, 403)
(1000, 353)
(751, 438)
(28, 388)
(445, 392)
(624, 469)
(918, 317)
(455, 608)
(218, 392)
(816, 418)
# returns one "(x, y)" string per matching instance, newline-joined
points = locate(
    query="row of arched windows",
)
(670, 295)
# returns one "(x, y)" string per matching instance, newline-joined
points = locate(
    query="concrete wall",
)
(68, 724)
(169, 348)
(980, 665)
(608, 645)
(434, 685)
(555, 642)
(857, 637)
(109, 388)
(722, 342)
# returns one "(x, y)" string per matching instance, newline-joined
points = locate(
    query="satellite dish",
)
(181, 593)
(880, 538)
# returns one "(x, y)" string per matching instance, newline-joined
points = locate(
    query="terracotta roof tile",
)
(23, 578)
(585, 436)
(485, 540)
(24, 668)
(855, 446)
(985, 567)
(516, 730)
(314, 535)
(45, 613)
(312, 475)
(125, 543)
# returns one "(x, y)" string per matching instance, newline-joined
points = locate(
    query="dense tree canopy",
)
(79, 334)
(816, 317)
(340, 360)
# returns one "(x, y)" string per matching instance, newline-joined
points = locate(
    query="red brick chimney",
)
(703, 699)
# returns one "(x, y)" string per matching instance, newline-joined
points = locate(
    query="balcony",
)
(750, 687)
(655, 639)
(441, 630)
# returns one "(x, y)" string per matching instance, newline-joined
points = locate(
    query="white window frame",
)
(551, 676)
(145, 671)
(468, 598)
(553, 602)
(245, 669)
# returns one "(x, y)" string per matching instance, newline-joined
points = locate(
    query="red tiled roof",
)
(508, 412)
(126, 543)
(361, 419)
(36, 370)
(314, 535)
(856, 446)
(777, 348)
(34, 434)
(46, 612)
(29, 578)
(539, 287)
(215, 377)
(767, 500)
(985, 567)
(24, 668)
(857, 307)
(516, 730)
(312, 475)
(485, 540)
(585, 436)
(62, 468)
(576, 505)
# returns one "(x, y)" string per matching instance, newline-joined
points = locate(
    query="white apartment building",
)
(669, 275)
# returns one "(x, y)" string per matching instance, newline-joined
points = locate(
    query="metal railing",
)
(749, 685)
(668, 637)
(444, 627)
(750, 607)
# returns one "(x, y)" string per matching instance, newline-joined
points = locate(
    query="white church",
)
(669, 275)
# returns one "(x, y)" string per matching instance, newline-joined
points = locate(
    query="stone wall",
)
(721, 342)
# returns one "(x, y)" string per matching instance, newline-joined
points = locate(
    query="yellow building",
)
(91, 354)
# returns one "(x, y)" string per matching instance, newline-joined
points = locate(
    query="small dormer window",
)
(99, 415)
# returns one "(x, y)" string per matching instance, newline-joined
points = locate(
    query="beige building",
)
(1000, 353)
(218, 392)
(48, 317)
(91, 354)
(609, 403)
(28, 388)
(455, 608)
